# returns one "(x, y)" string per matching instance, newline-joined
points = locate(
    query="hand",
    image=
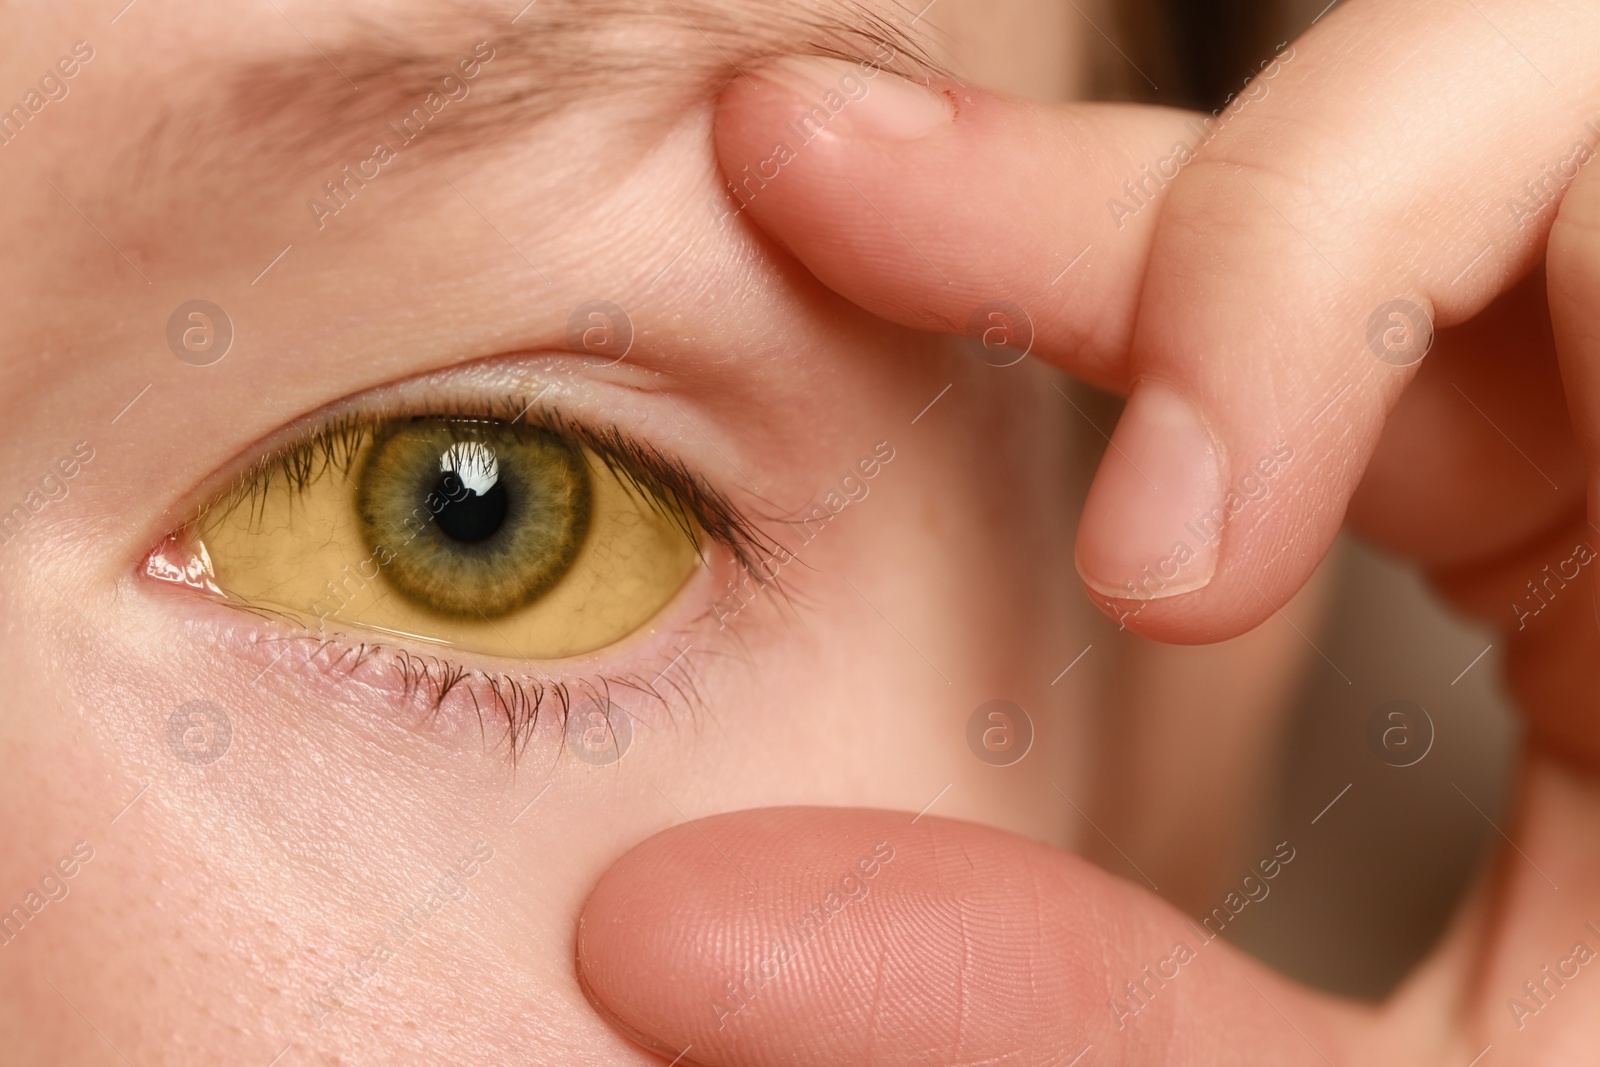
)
(983, 946)
(1265, 303)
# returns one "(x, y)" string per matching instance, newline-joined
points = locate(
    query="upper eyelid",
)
(470, 383)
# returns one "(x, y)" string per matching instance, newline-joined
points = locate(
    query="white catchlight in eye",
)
(473, 463)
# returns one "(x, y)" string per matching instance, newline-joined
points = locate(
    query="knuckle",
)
(1296, 188)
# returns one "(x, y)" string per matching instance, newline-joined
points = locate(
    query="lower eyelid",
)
(471, 702)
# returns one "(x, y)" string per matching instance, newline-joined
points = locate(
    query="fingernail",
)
(857, 99)
(1152, 524)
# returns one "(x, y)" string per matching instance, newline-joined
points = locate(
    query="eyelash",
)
(668, 484)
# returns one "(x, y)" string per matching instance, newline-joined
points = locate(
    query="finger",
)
(950, 208)
(1542, 599)
(1574, 284)
(1506, 973)
(1323, 225)
(1559, 675)
(812, 936)
(1477, 458)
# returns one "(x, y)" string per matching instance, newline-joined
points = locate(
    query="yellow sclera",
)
(299, 549)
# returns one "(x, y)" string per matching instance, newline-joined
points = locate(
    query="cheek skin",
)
(244, 896)
(913, 597)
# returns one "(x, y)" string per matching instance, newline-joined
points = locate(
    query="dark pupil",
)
(467, 516)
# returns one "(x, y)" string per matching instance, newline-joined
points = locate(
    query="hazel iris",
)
(473, 518)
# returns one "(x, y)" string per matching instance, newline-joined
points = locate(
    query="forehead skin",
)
(217, 891)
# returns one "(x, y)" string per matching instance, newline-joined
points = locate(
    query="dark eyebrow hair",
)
(331, 99)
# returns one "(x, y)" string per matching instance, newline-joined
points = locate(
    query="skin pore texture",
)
(365, 875)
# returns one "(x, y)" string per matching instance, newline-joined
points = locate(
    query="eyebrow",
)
(291, 111)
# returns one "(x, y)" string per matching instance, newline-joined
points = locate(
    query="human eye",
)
(496, 531)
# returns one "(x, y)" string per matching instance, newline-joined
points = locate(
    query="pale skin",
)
(223, 902)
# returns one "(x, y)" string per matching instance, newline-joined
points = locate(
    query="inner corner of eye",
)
(480, 534)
